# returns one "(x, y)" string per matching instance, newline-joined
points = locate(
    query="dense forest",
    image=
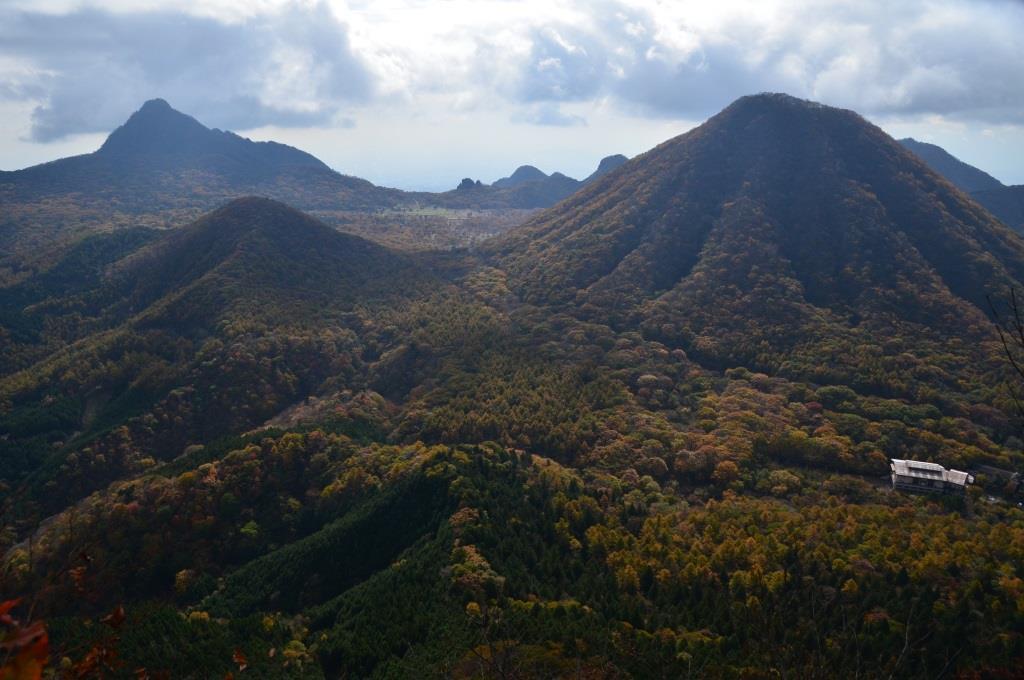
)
(646, 433)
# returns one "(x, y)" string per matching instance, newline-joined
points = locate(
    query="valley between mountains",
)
(636, 425)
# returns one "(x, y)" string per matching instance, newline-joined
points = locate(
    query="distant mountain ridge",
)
(967, 177)
(522, 174)
(607, 164)
(527, 187)
(163, 168)
(528, 173)
(1005, 202)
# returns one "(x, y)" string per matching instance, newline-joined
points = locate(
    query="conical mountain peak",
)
(809, 207)
(157, 127)
(159, 133)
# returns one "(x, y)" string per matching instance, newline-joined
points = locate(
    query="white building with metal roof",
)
(922, 477)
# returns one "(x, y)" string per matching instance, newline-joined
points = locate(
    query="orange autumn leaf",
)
(26, 651)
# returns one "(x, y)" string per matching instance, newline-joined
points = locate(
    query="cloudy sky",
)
(419, 93)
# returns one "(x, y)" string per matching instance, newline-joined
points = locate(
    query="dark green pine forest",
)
(637, 426)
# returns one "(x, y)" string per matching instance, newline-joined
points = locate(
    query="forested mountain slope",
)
(776, 226)
(213, 327)
(646, 434)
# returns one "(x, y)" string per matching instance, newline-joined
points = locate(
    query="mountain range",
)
(646, 432)
(163, 169)
(525, 174)
(529, 187)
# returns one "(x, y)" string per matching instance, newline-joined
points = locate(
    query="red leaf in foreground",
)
(240, 659)
(25, 652)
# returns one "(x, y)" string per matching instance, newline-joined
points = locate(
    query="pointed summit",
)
(162, 159)
(158, 133)
(158, 128)
(607, 164)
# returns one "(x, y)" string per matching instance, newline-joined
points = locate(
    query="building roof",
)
(916, 468)
(958, 477)
(925, 470)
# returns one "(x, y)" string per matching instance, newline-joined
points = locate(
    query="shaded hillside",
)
(53, 308)
(966, 177)
(253, 258)
(775, 215)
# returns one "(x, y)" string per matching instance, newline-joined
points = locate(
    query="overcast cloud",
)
(953, 66)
